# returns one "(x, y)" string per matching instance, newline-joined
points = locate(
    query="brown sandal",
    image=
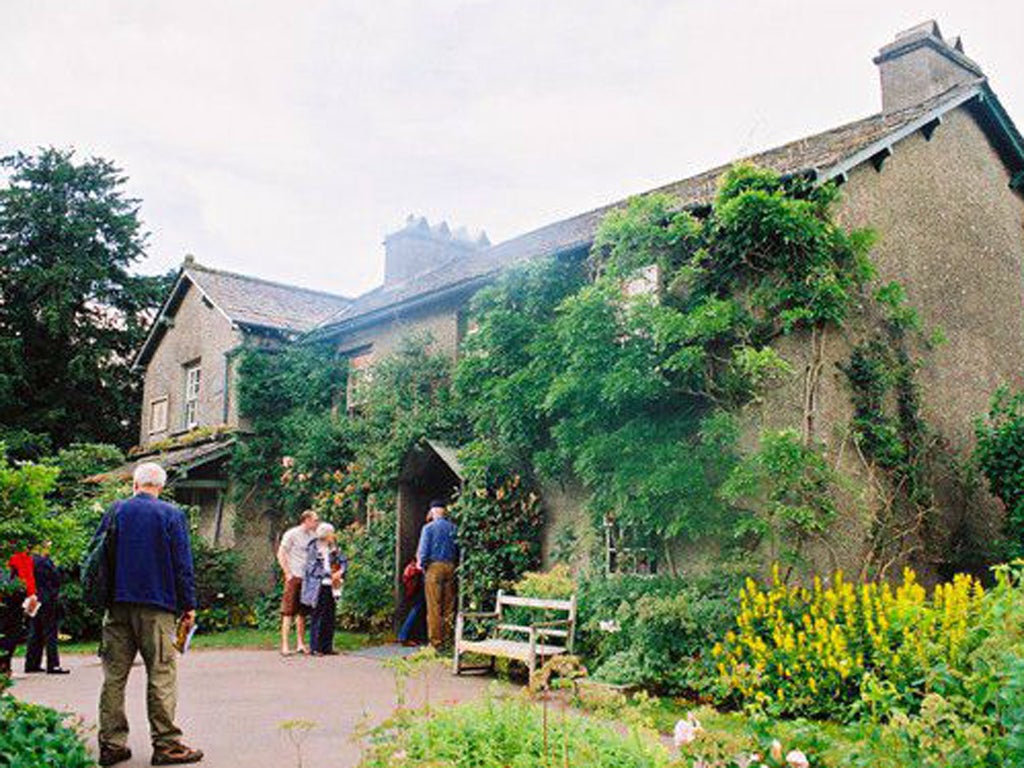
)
(175, 754)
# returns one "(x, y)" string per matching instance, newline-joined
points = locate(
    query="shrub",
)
(496, 734)
(368, 601)
(1000, 454)
(799, 651)
(650, 631)
(34, 736)
(219, 592)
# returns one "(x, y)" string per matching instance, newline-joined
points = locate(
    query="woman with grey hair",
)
(321, 586)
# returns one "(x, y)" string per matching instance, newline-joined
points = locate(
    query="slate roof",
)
(256, 303)
(826, 155)
(177, 460)
(250, 303)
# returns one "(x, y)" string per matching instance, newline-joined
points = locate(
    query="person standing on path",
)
(321, 584)
(17, 599)
(438, 553)
(291, 556)
(154, 583)
(42, 631)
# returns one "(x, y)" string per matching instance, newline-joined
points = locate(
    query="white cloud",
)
(285, 139)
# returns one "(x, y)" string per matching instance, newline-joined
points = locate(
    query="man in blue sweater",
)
(154, 585)
(437, 554)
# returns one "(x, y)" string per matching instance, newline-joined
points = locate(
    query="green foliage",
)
(70, 311)
(368, 601)
(626, 379)
(497, 734)
(288, 396)
(788, 488)
(25, 518)
(1000, 454)
(219, 592)
(655, 632)
(34, 736)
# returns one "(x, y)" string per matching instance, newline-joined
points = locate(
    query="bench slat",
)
(509, 649)
(535, 602)
(540, 630)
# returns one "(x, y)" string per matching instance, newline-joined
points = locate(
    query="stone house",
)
(190, 418)
(938, 173)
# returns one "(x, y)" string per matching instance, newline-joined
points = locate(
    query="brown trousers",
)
(138, 629)
(439, 588)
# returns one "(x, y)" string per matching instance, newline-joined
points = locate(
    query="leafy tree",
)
(71, 314)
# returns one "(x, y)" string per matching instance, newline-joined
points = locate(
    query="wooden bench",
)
(540, 637)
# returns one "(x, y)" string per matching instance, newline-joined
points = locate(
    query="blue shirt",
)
(154, 556)
(437, 543)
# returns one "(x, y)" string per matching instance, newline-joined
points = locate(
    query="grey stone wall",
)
(952, 233)
(440, 321)
(200, 332)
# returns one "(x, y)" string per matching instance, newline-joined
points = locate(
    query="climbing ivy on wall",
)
(626, 368)
(890, 431)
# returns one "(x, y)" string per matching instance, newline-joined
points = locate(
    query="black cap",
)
(437, 503)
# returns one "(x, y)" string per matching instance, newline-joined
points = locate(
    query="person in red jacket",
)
(17, 598)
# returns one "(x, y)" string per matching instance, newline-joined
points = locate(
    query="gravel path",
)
(232, 703)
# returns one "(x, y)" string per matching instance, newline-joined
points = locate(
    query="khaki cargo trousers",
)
(439, 589)
(139, 629)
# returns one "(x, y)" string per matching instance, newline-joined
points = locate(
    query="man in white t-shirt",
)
(291, 556)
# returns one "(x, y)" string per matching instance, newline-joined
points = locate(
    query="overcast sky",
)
(285, 139)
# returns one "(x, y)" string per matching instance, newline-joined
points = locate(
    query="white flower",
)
(797, 759)
(610, 625)
(686, 731)
(287, 461)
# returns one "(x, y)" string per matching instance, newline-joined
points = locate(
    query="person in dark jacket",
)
(154, 584)
(17, 599)
(42, 628)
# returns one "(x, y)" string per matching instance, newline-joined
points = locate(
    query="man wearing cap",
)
(437, 554)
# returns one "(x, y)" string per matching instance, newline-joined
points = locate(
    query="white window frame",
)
(161, 425)
(360, 373)
(193, 386)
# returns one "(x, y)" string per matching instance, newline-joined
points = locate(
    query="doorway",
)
(431, 471)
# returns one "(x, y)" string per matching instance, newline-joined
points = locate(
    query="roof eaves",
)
(873, 149)
(156, 330)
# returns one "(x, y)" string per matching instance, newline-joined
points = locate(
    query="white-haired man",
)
(154, 584)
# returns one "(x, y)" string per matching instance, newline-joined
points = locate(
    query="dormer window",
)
(193, 379)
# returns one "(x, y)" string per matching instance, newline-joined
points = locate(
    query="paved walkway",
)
(231, 703)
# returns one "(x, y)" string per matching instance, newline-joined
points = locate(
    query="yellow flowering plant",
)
(809, 650)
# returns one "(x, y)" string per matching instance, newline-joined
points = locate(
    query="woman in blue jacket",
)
(321, 588)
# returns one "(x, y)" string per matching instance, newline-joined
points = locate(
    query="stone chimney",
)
(920, 64)
(419, 247)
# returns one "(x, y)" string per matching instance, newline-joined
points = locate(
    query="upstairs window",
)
(360, 373)
(193, 379)
(158, 415)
